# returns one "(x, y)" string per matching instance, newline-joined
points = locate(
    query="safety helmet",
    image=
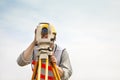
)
(53, 29)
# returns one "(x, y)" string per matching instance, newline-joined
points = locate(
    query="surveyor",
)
(60, 57)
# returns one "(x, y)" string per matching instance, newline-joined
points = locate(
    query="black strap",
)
(55, 48)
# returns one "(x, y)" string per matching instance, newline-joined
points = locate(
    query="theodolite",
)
(44, 39)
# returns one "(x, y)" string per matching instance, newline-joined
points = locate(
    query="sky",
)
(88, 29)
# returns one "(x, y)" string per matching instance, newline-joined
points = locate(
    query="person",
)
(60, 57)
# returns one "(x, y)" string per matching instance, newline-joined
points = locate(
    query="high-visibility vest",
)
(43, 66)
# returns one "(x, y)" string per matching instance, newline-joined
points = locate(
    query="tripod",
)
(43, 56)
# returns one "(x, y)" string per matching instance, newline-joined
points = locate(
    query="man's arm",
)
(25, 57)
(65, 65)
(65, 69)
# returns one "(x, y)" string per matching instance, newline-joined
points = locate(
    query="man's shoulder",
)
(58, 47)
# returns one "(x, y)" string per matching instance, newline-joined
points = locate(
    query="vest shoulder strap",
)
(58, 53)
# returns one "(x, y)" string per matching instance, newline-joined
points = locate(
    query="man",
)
(60, 57)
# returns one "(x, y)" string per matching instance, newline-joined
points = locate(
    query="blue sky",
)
(89, 29)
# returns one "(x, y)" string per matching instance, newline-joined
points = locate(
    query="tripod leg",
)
(54, 73)
(46, 71)
(35, 71)
(39, 69)
(58, 76)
